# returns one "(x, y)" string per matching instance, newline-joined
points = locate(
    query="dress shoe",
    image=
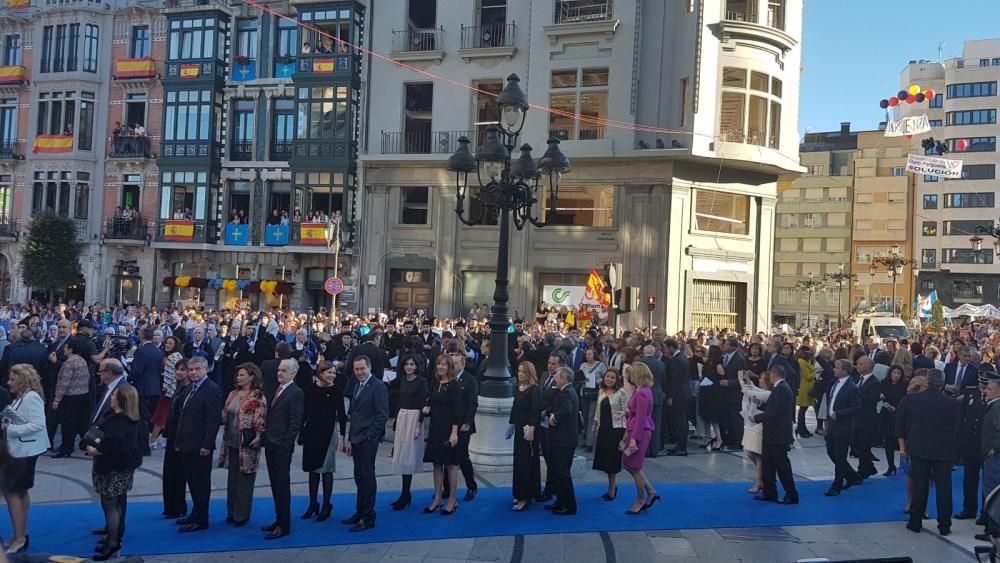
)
(521, 508)
(552, 506)
(229, 519)
(983, 537)
(183, 521)
(913, 527)
(107, 553)
(789, 500)
(362, 525)
(981, 521)
(276, 533)
(563, 512)
(192, 527)
(677, 453)
(446, 512)
(352, 520)
(61, 455)
(766, 498)
(240, 523)
(174, 516)
(832, 492)
(324, 513)
(964, 516)
(270, 527)
(944, 530)
(470, 494)
(853, 483)
(311, 511)
(734, 448)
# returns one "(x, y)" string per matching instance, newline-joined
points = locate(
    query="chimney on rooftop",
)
(845, 128)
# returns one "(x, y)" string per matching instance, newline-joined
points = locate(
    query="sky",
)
(854, 51)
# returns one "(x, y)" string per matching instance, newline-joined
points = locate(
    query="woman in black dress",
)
(893, 391)
(322, 409)
(609, 425)
(756, 361)
(710, 397)
(408, 441)
(447, 412)
(525, 414)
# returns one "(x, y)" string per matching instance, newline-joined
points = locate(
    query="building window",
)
(415, 205)
(188, 115)
(965, 256)
(751, 109)
(897, 171)
(930, 228)
(971, 117)
(965, 228)
(967, 289)
(47, 35)
(12, 50)
(57, 115)
(321, 192)
(583, 207)
(8, 125)
(897, 197)
(243, 130)
(812, 220)
(192, 39)
(581, 92)
(973, 144)
(574, 11)
(721, 212)
(977, 172)
(185, 195)
(51, 193)
(282, 128)
(936, 123)
(286, 42)
(135, 109)
(937, 102)
(337, 23)
(930, 201)
(930, 178)
(776, 14)
(486, 106)
(969, 200)
(91, 46)
(928, 258)
(72, 60)
(971, 90)
(85, 134)
(322, 113)
(59, 51)
(140, 46)
(927, 285)
(816, 170)
(80, 210)
(246, 38)
(684, 102)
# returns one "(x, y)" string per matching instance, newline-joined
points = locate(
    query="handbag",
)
(93, 437)
(247, 436)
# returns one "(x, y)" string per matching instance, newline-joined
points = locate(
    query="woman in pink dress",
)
(638, 432)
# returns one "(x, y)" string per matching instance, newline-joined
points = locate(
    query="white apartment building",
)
(689, 213)
(949, 211)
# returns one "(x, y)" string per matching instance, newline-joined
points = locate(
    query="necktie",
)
(358, 392)
(961, 374)
(725, 361)
(277, 394)
(194, 390)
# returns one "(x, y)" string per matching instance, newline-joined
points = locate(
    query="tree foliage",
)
(906, 313)
(50, 258)
(937, 315)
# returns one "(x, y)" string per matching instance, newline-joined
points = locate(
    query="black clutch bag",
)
(93, 437)
(247, 436)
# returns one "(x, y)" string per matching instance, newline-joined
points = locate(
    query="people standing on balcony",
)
(275, 218)
(297, 216)
(324, 47)
(284, 218)
(306, 48)
(139, 130)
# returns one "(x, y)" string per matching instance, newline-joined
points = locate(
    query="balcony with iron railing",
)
(133, 229)
(11, 149)
(186, 231)
(421, 142)
(130, 147)
(582, 11)
(741, 18)
(752, 137)
(241, 150)
(493, 40)
(281, 150)
(9, 227)
(418, 44)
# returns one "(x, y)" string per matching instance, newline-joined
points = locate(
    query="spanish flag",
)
(135, 68)
(13, 74)
(178, 230)
(596, 289)
(190, 71)
(313, 233)
(324, 65)
(19, 3)
(53, 143)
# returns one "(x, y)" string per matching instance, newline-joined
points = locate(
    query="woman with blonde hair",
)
(904, 359)
(447, 412)
(639, 428)
(26, 440)
(525, 414)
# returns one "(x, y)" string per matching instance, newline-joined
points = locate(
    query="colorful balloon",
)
(930, 94)
(914, 89)
(909, 136)
(883, 104)
(910, 99)
(920, 98)
(961, 144)
(893, 102)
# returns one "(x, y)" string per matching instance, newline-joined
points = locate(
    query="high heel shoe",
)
(890, 472)
(109, 552)
(521, 508)
(324, 513)
(311, 511)
(402, 502)
(652, 500)
(446, 512)
(631, 512)
(432, 509)
(21, 549)
(610, 497)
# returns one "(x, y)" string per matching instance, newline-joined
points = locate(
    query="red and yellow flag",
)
(13, 73)
(596, 289)
(135, 68)
(53, 144)
(190, 71)
(178, 230)
(19, 3)
(324, 65)
(313, 233)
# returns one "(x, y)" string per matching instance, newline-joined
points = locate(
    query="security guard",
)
(970, 428)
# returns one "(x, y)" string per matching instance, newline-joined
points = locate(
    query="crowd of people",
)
(119, 382)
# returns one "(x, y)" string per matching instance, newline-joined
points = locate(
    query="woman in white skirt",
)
(753, 431)
(408, 443)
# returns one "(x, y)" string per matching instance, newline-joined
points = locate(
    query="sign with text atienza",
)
(914, 125)
(567, 296)
(933, 166)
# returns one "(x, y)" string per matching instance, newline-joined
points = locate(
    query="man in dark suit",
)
(563, 430)
(369, 411)
(678, 392)
(470, 398)
(845, 405)
(539, 356)
(284, 420)
(29, 351)
(200, 417)
(970, 423)
(777, 438)
(989, 449)
(866, 422)
(961, 374)
(549, 390)
(269, 368)
(174, 484)
(57, 355)
(926, 424)
(920, 361)
(659, 372)
(730, 419)
(145, 376)
(574, 355)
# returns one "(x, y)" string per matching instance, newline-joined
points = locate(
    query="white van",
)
(881, 327)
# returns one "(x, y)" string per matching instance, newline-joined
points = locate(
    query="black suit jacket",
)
(777, 415)
(870, 391)
(659, 372)
(100, 412)
(565, 408)
(284, 418)
(847, 407)
(928, 422)
(679, 378)
(970, 377)
(733, 393)
(199, 420)
(30, 352)
(470, 398)
(269, 375)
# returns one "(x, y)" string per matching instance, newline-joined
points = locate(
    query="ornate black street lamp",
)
(841, 280)
(508, 191)
(812, 286)
(977, 241)
(894, 264)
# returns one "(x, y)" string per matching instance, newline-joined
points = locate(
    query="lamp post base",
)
(489, 449)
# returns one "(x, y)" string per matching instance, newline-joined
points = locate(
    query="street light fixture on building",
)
(977, 241)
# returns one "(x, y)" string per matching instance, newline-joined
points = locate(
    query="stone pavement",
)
(68, 481)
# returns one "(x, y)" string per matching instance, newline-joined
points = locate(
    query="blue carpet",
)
(65, 528)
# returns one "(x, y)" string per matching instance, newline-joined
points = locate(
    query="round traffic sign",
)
(333, 285)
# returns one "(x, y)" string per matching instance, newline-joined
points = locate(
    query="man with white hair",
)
(284, 420)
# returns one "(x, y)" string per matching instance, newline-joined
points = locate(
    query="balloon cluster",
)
(912, 95)
(262, 286)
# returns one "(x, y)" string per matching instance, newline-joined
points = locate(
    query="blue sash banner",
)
(237, 235)
(276, 235)
(243, 72)
(284, 70)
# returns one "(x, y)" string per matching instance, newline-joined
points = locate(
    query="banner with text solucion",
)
(933, 166)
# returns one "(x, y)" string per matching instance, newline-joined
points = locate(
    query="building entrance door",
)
(411, 290)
